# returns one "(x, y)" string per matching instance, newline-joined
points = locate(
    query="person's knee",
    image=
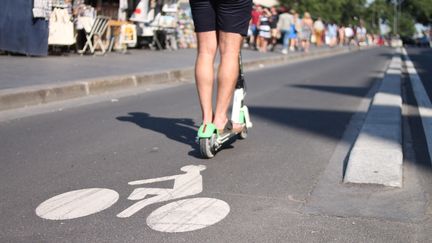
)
(229, 43)
(207, 43)
(207, 50)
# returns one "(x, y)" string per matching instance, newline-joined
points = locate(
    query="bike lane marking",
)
(76, 204)
(187, 184)
(178, 216)
(188, 215)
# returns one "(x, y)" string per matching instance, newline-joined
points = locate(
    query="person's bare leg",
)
(204, 73)
(264, 45)
(307, 45)
(229, 45)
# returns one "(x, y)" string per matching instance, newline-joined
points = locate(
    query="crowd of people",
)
(270, 26)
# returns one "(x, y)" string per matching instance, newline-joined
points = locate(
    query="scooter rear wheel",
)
(243, 134)
(207, 147)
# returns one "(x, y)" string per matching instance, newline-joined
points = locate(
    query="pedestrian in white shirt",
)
(349, 35)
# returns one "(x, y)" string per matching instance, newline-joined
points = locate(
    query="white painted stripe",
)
(376, 157)
(423, 101)
(188, 215)
(76, 204)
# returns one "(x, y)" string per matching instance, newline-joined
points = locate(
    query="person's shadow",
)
(182, 130)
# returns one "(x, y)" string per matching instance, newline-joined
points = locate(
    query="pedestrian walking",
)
(361, 33)
(256, 14)
(264, 30)
(275, 35)
(284, 26)
(293, 36)
(341, 35)
(318, 30)
(349, 35)
(331, 33)
(306, 31)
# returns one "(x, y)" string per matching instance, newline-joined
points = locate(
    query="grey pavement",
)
(283, 183)
(34, 81)
(21, 71)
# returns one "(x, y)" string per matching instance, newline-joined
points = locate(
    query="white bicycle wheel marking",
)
(179, 216)
(188, 215)
(76, 204)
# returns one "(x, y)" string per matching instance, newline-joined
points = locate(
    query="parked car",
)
(408, 40)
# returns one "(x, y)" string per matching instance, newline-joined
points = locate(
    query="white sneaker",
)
(284, 51)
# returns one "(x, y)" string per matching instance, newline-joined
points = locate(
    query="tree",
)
(340, 11)
(352, 11)
(420, 10)
(406, 24)
(378, 10)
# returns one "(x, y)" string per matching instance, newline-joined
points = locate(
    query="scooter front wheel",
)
(207, 146)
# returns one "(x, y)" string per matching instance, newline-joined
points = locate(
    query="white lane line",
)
(376, 157)
(423, 102)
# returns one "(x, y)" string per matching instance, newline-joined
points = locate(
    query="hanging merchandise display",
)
(61, 28)
(185, 30)
(42, 9)
(122, 12)
(86, 15)
(84, 19)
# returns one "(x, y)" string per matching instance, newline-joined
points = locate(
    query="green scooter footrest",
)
(206, 130)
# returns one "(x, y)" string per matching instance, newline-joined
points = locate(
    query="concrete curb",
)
(42, 94)
(376, 157)
(423, 102)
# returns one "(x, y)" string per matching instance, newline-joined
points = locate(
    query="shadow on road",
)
(422, 60)
(178, 129)
(327, 123)
(345, 90)
(414, 122)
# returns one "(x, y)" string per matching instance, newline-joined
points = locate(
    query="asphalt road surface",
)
(281, 184)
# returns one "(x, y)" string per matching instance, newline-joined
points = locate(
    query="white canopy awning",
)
(266, 3)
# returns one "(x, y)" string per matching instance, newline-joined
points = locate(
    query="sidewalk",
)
(21, 71)
(26, 81)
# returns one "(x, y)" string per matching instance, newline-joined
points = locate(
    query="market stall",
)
(61, 27)
(164, 24)
(31, 26)
(22, 30)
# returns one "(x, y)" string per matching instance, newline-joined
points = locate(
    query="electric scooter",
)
(209, 138)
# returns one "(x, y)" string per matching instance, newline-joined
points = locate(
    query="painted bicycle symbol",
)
(178, 216)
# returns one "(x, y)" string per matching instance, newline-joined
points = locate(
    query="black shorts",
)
(225, 15)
